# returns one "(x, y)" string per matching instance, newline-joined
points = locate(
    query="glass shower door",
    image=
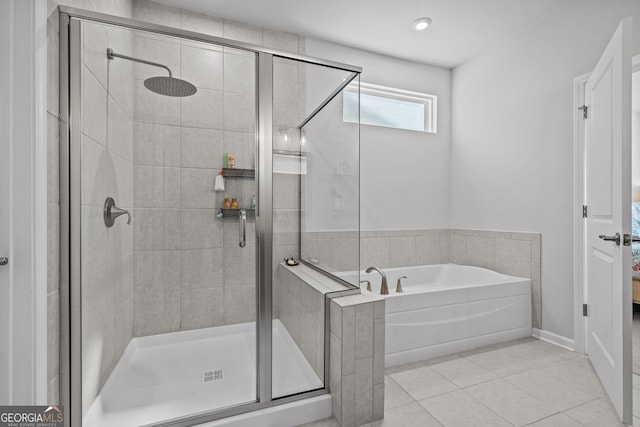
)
(315, 213)
(168, 247)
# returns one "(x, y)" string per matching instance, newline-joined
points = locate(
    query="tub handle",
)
(368, 284)
(399, 284)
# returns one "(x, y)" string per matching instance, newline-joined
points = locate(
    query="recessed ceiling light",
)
(422, 23)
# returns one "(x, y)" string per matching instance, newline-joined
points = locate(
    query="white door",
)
(608, 197)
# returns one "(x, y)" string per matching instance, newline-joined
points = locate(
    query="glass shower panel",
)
(306, 98)
(168, 288)
(330, 192)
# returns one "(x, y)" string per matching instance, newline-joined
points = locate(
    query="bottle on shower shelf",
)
(234, 203)
(227, 203)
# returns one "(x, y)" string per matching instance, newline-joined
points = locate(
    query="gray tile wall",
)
(189, 270)
(118, 7)
(399, 248)
(357, 359)
(513, 253)
(107, 171)
(300, 308)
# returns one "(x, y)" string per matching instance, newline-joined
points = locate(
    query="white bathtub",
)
(449, 308)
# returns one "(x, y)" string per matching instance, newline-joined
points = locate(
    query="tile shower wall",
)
(189, 270)
(107, 171)
(115, 341)
(301, 307)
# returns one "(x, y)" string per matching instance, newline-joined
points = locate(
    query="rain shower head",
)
(168, 86)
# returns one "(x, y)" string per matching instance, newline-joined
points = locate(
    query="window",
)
(389, 107)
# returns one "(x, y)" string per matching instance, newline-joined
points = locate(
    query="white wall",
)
(404, 174)
(512, 142)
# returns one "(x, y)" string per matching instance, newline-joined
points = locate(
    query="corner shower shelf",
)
(238, 173)
(235, 213)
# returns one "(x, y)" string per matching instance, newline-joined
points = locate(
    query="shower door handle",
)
(243, 227)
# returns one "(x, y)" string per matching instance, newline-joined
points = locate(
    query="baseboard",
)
(550, 337)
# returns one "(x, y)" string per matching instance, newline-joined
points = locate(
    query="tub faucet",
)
(384, 290)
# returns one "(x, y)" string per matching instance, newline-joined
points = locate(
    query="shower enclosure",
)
(171, 312)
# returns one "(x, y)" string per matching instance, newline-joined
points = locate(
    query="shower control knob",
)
(4, 260)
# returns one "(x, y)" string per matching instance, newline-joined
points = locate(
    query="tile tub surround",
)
(507, 252)
(513, 253)
(357, 359)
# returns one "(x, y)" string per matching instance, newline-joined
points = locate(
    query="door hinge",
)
(585, 311)
(585, 112)
(584, 211)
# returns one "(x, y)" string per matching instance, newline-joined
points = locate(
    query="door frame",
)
(579, 83)
(23, 119)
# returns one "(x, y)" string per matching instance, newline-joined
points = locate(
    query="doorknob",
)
(4, 260)
(615, 238)
(628, 239)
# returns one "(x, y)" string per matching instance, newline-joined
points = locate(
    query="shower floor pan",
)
(171, 375)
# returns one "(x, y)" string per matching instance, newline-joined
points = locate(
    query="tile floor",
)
(526, 382)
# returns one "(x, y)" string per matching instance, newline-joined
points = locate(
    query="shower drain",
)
(215, 375)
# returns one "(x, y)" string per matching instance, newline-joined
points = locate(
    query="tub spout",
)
(384, 289)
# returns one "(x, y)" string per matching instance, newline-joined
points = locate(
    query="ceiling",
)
(460, 28)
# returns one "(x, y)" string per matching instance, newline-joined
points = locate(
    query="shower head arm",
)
(111, 54)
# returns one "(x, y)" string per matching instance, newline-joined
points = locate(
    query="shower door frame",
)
(70, 213)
